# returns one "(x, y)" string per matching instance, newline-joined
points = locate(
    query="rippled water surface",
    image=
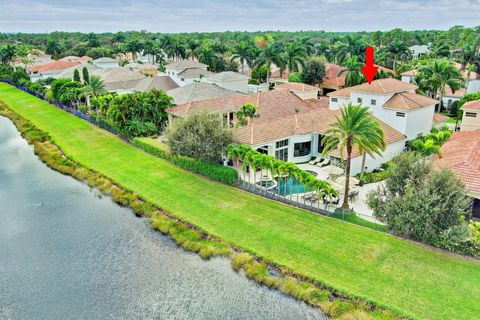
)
(66, 253)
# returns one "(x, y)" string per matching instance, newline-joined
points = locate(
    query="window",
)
(334, 99)
(401, 114)
(471, 114)
(320, 146)
(302, 149)
(282, 143)
(373, 102)
(359, 100)
(282, 154)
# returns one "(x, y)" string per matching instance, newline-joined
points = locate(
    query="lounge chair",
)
(316, 160)
(324, 163)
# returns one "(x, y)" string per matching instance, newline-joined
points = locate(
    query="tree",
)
(354, 72)
(8, 54)
(354, 128)
(133, 46)
(94, 87)
(76, 75)
(439, 74)
(246, 113)
(268, 56)
(85, 75)
(53, 48)
(193, 47)
(314, 72)
(295, 55)
(199, 136)
(420, 203)
(243, 52)
(398, 50)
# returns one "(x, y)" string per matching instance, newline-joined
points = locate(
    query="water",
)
(291, 186)
(65, 253)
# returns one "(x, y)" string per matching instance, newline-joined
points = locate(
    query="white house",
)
(229, 80)
(419, 50)
(409, 76)
(105, 63)
(185, 72)
(393, 102)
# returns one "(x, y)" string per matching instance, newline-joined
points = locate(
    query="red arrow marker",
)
(369, 70)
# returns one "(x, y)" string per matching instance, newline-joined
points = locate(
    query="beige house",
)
(471, 116)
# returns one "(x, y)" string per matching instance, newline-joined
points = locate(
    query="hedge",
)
(213, 171)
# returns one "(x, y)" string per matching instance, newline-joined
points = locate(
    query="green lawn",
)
(398, 273)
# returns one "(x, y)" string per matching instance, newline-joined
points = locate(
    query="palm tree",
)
(246, 113)
(440, 74)
(8, 54)
(244, 53)
(354, 128)
(94, 87)
(399, 51)
(193, 47)
(295, 56)
(151, 49)
(354, 72)
(133, 46)
(268, 56)
(53, 48)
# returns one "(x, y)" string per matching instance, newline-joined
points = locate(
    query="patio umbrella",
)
(333, 170)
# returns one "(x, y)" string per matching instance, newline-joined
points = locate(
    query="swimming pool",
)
(291, 186)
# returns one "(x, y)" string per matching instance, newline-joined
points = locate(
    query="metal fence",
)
(317, 206)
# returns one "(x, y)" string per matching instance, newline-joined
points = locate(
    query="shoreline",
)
(192, 238)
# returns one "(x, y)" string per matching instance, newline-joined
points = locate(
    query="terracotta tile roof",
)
(473, 75)
(475, 105)
(439, 118)
(385, 69)
(185, 64)
(457, 94)
(342, 93)
(271, 104)
(408, 101)
(390, 135)
(86, 58)
(461, 153)
(296, 86)
(331, 75)
(228, 76)
(411, 73)
(384, 86)
(198, 91)
(54, 66)
(195, 73)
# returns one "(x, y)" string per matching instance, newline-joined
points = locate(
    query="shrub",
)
(295, 77)
(213, 171)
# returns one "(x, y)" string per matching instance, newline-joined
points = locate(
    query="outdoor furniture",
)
(316, 160)
(323, 163)
(353, 180)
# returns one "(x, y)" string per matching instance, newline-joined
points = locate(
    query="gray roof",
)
(68, 73)
(195, 73)
(118, 74)
(104, 59)
(227, 76)
(199, 91)
(185, 64)
(164, 83)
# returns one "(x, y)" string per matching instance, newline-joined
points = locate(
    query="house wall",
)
(408, 79)
(470, 123)
(419, 121)
(390, 152)
(340, 102)
(447, 101)
(173, 73)
(473, 86)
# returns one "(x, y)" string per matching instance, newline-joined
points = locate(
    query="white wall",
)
(446, 100)
(408, 79)
(335, 105)
(419, 121)
(473, 86)
(374, 163)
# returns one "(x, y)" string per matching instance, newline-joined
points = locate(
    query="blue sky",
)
(221, 15)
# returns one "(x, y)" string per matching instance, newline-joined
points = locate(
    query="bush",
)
(213, 171)
(295, 77)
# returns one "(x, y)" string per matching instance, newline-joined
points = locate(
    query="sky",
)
(174, 16)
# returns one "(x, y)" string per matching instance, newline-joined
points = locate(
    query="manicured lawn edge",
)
(191, 238)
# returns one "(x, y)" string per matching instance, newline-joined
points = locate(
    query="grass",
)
(400, 274)
(353, 218)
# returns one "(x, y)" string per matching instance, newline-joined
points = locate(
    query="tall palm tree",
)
(355, 128)
(295, 56)
(244, 53)
(53, 48)
(93, 88)
(440, 74)
(8, 54)
(193, 47)
(151, 49)
(354, 72)
(399, 51)
(268, 56)
(246, 113)
(133, 46)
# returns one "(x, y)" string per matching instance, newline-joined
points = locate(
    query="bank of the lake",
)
(67, 253)
(397, 273)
